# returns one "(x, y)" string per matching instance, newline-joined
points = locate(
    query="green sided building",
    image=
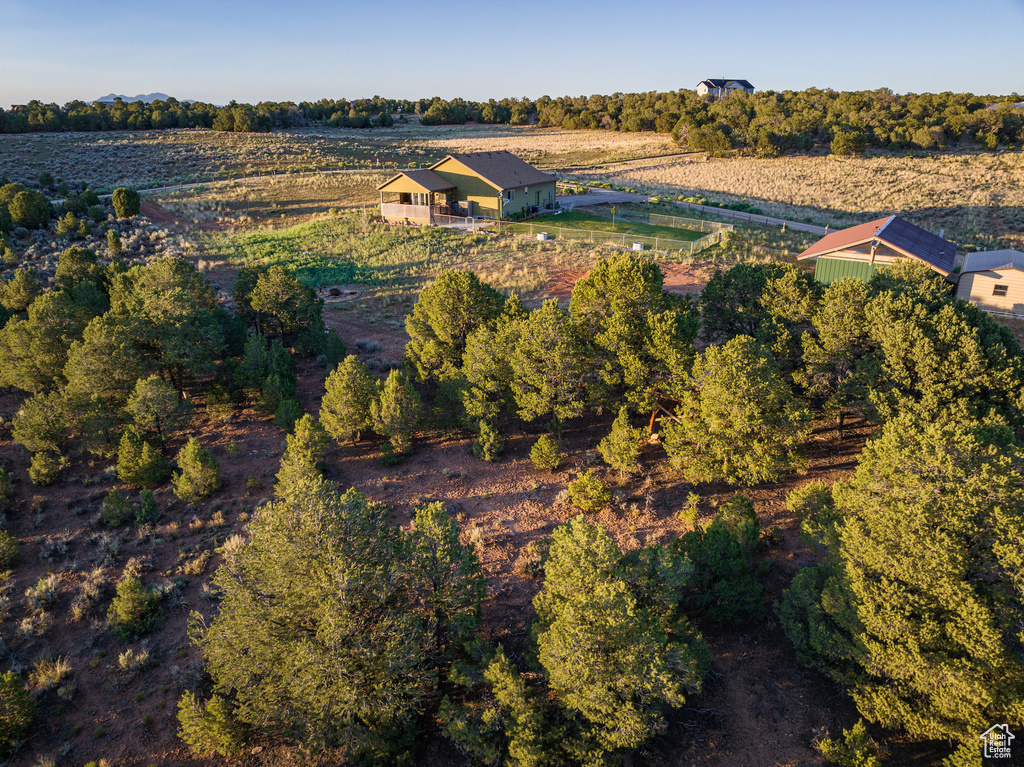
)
(480, 184)
(862, 250)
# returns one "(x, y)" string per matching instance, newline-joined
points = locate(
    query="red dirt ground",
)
(679, 278)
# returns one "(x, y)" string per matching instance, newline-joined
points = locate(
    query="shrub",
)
(209, 727)
(149, 511)
(588, 493)
(126, 202)
(116, 510)
(489, 445)
(17, 712)
(134, 610)
(546, 453)
(199, 473)
(6, 489)
(46, 467)
(114, 242)
(8, 549)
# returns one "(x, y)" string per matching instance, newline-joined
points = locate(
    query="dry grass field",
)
(978, 199)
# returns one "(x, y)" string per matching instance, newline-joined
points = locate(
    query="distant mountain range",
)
(146, 98)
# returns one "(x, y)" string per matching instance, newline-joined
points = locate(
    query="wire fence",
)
(675, 222)
(616, 240)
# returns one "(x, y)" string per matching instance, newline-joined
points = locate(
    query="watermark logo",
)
(996, 741)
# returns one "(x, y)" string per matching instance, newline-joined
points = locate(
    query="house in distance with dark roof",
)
(480, 184)
(862, 250)
(722, 88)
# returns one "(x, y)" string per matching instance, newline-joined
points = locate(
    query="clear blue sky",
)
(218, 50)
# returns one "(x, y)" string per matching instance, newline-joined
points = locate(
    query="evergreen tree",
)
(114, 242)
(126, 202)
(319, 639)
(280, 299)
(209, 727)
(738, 420)
(607, 654)
(489, 445)
(621, 448)
(76, 265)
(18, 293)
(134, 610)
(17, 712)
(549, 366)
(487, 364)
(345, 410)
(397, 412)
(303, 455)
(199, 473)
(917, 609)
(546, 453)
(156, 407)
(138, 461)
(445, 314)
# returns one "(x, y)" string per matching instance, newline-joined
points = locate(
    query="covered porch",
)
(416, 196)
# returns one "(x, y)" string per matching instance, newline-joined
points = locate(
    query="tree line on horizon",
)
(766, 123)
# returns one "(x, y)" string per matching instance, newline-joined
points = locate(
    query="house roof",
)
(992, 260)
(502, 170)
(893, 231)
(424, 178)
(712, 82)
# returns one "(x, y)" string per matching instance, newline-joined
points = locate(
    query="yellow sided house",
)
(480, 184)
(862, 250)
(993, 280)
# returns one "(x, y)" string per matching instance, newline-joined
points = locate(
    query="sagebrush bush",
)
(489, 445)
(199, 473)
(546, 453)
(589, 493)
(134, 610)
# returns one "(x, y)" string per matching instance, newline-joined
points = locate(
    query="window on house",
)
(999, 290)
(510, 195)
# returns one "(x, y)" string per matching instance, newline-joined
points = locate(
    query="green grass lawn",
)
(582, 221)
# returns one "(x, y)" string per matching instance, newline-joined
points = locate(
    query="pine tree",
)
(397, 412)
(156, 407)
(18, 293)
(303, 455)
(198, 474)
(134, 610)
(17, 712)
(345, 410)
(139, 463)
(621, 448)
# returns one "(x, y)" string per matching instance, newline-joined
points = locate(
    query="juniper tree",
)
(156, 407)
(126, 202)
(446, 312)
(397, 412)
(76, 265)
(321, 638)
(737, 419)
(546, 453)
(917, 608)
(487, 364)
(134, 610)
(278, 298)
(18, 293)
(345, 410)
(488, 445)
(612, 657)
(17, 712)
(620, 449)
(549, 366)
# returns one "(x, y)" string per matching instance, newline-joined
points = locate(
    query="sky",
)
(263, 50)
